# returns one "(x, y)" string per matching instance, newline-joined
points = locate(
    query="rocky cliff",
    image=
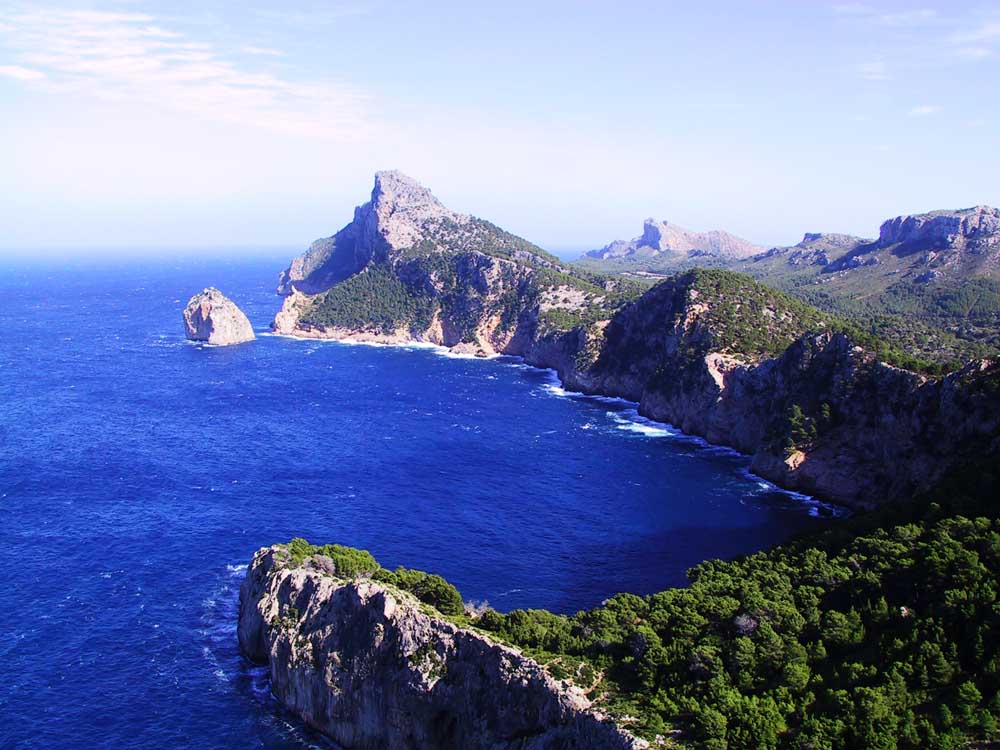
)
(726, 359)
(712, 352)
(661, 238)
(976, 229)
(408, 269)
(372, 667)
(212, 317)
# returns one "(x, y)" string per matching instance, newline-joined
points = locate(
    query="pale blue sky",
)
(150, 124)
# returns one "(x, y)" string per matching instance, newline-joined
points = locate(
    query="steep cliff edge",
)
(212, 317)
(372, 667)
(409, 269)
(727, 359)
(721, 356)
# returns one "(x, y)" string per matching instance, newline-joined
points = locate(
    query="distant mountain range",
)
(669, 242)
(930, 281)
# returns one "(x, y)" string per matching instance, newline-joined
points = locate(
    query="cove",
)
(139, 471)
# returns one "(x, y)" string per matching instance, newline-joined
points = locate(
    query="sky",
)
(134, 125)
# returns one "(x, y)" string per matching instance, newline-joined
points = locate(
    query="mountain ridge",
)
(662, 238)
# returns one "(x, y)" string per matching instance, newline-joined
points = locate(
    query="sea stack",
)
(212, 317)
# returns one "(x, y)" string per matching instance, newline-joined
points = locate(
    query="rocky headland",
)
(374, 668)
(212, 317)
(817, 403)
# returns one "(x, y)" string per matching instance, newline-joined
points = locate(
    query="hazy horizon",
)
(132, 126)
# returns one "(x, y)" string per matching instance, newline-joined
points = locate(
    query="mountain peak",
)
(664, 238)
(400, 191)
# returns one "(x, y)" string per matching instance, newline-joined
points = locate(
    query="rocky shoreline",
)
(373, 668)
(718, 355)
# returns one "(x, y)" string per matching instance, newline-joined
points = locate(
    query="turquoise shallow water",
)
(139, 472)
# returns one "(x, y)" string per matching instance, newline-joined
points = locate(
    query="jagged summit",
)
(664, 238)
(398, 215)
(398, 194)
(409, 268)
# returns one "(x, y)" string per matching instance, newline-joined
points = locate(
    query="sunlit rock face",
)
(212, 317)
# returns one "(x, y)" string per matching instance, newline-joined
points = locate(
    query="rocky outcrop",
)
(820, 415)
(372, 668)
(427, 274)
(400, 214)
(663, 238)
(975, 229)
(952, 246)
(212, 317)
(816, 249)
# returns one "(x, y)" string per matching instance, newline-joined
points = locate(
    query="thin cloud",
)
(924, 110)
(265, 51)
(974, 53)
(21, 73)
(136, 57)
(876, 16)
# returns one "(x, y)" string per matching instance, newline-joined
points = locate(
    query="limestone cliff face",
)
(409, 269)
(212, 317)
(972, 228)
(815, 412)
(373, 669)
(711, 352)
(940, 246)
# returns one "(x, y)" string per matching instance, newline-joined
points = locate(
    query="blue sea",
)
(139, 473)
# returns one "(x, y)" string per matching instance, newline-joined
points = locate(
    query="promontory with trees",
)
(881, 632)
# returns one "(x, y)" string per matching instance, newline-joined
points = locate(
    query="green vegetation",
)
(748, 318)
(349, 562)
(939, 342)
(886, 640)
(935, 324)
(479, 236)
(427, 587)
(882, 632)
(374, 299)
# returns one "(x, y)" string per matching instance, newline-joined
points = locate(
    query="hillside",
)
(821, 405)
(408, 268)
(931, 282)
(929, 285)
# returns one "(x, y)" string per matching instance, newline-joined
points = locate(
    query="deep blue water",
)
(138, 472)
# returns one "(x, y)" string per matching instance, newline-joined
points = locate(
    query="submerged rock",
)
(372, 668)
(212, 317)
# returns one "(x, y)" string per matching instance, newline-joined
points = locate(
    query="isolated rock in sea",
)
(372, 668)
(212, 317)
